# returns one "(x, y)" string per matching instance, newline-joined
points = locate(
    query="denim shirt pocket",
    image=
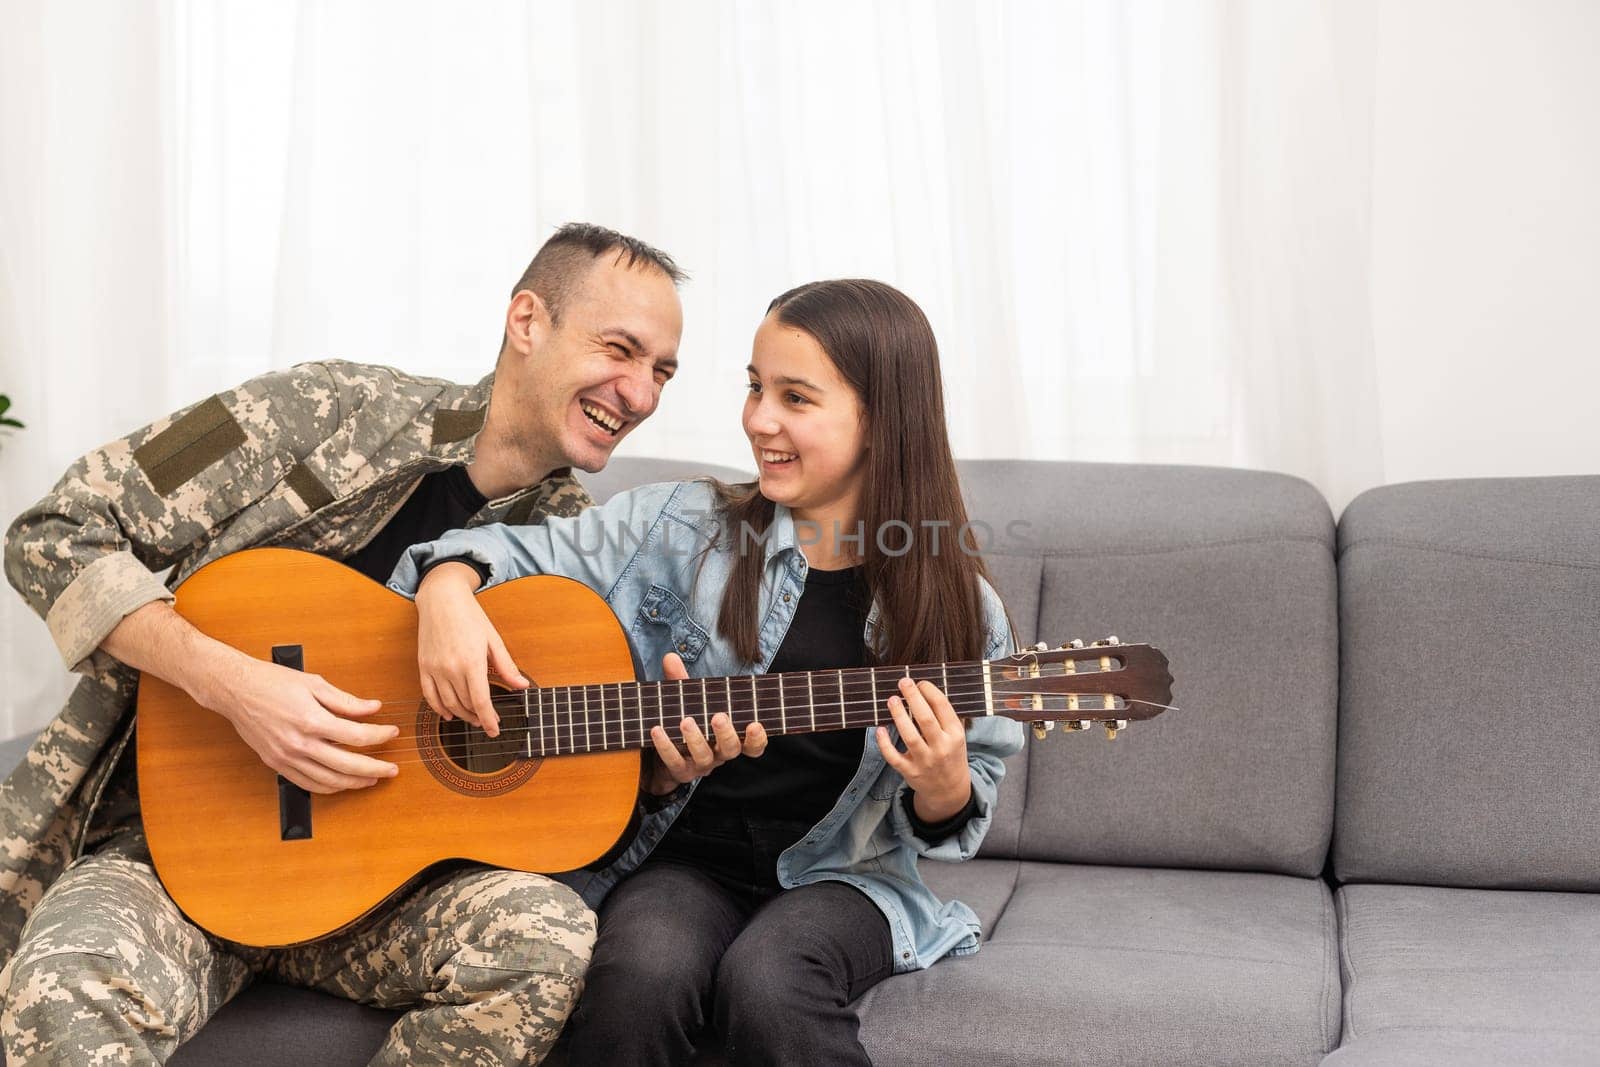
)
(664, 625)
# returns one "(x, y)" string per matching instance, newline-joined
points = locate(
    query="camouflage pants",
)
(109, 971)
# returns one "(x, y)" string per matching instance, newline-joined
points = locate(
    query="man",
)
(354, 462)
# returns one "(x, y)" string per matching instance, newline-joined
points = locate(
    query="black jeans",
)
(776, 972)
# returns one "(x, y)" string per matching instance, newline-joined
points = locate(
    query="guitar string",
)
(512, 702)
(501, 696)
(852, 675)
(625, 737)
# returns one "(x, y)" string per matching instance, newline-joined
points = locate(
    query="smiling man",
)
(355, 462)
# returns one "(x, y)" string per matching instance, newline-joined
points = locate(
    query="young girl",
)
(765, 896)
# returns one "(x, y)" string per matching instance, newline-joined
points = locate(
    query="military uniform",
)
(318, 457)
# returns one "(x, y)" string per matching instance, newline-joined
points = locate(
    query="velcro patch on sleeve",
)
(453, 424)
(190, 445)
(308, 487)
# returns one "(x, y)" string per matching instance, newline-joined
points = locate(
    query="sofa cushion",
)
(1520, 968)
(1469, 738)
(984, 885)
(1231, 574)
(1099, 965)
(271, 1025)
(1467, 1048)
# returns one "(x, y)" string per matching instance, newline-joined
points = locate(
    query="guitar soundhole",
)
(466, 760)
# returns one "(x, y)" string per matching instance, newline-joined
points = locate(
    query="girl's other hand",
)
(669, 767)
(934, 763)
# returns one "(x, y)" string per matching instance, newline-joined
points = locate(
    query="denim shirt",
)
(645, 552)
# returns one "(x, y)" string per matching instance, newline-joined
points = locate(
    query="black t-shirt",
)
(800, 776)
(443, 500)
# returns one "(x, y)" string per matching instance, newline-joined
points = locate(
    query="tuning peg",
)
(1077, 642)
(1042, 646)
(1113, 640)
(1113, 726)
(1039, 730)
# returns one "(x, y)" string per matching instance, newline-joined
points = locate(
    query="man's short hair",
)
(562, 262)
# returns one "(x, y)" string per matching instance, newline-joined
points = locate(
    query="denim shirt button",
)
(786, 598)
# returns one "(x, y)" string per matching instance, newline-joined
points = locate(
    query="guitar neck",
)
(565, 720)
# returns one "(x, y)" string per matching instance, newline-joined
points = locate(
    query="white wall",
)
(1486, 237)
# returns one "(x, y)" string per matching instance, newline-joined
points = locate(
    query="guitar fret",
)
(638, 696)
(622, 721)
(727, 682)
(842, 722)
(783, 712)
(541, 722)
(755, 700)
(811, 698)
(555, 722)
(705, 703)
(588, 744)
(527, 736)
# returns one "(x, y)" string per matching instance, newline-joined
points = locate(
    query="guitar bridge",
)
(294, 803)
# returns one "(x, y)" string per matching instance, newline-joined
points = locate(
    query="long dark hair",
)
(930, 607)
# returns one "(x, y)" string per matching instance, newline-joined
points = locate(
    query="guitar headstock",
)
(1077, 685)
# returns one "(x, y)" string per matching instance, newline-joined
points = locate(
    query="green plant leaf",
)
(5, 402)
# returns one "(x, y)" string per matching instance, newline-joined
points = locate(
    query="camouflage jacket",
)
(318, 457)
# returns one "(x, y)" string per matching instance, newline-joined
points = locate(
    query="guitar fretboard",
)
(564, 720)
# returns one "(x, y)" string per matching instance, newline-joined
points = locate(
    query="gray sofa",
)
(1370, 836)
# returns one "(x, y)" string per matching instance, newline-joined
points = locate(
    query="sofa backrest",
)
(1469, 748)
(1231, 574)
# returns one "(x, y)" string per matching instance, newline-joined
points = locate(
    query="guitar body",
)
(213, 812)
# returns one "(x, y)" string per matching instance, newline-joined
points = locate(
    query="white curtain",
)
(1141, 229)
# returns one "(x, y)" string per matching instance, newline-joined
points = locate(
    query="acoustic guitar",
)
(255, 859)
